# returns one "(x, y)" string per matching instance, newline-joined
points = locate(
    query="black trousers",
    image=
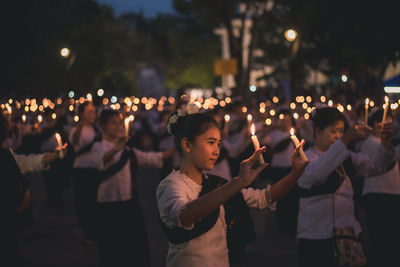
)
(383, 225)
(86, 206)
(316, 253)
(288, 206)
(123, 239)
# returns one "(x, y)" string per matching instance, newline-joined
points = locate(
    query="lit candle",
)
(23, 118)
(256, 144)
(227, 118)
(59, 142)
(366, 110)
(297, 143)
(39, 118)
(9, 111)
(249, 118)
(127, 121)
(386, 109)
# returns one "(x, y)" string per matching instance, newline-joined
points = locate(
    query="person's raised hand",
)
(247, 173)
(387, 132)
(356, 133)
(121, 143)
(297, 163)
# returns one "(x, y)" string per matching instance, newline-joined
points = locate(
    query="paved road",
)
(54, 240)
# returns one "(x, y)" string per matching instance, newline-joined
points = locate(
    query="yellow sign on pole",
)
(225, 66)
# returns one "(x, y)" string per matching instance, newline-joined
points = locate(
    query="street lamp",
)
(65, 52)
(290, 35)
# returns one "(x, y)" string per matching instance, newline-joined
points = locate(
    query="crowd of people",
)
(208, 164)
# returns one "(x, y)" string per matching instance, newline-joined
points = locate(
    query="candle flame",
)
(58, 135)
(253, 129)
(9, 109)
(291, 131)
(386, 99)
(367, 101)
(40, 118)
(249, 117)
(227, 117)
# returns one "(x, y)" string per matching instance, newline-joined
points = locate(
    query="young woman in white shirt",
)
(82, 137)
(326, 193)
(381, 197)
(122, 238)
(197, 210)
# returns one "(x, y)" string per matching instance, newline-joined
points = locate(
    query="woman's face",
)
(113, 128)
(326, 137)
(204, 151)
(90, 114)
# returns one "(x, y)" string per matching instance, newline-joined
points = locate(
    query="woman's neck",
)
(319, 148)
(191, 171)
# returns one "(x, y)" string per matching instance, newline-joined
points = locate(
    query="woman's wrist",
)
(240, 182)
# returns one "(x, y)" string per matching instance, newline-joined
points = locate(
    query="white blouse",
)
(386, 183)
(87, 136)
(210, 248)
(118, 186)
(315, 218)
(30, 163)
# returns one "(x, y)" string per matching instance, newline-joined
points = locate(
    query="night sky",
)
(150, 7)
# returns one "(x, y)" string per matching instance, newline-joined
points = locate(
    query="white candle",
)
(366, 111)
(9, 114)
(58, 137)
(256, 144)
(386, 109)
(297, 143)
(127, 121)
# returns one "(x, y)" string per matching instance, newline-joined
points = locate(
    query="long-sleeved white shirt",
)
(30, 163)
(315, 218)
(118, 187)
(210, 248)
(386, 183)
(87, 136)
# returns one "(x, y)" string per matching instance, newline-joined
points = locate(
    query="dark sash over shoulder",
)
(332, 184)
(88, 147)
(98, 176)
(240, 228)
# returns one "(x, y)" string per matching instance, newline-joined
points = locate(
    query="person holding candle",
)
(14, 191)
(326, 192)
(55, 178)
(381, 197)
(204, 215)
(82, 138)
(281, 147)
(122, 240)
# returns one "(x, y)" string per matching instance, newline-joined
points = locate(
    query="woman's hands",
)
(120, 143)
(356, 133)
(247, 173)
(297, 163)
(387, 131)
